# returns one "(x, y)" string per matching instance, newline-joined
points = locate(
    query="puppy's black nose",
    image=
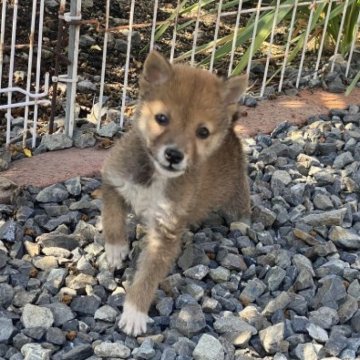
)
(173, 156)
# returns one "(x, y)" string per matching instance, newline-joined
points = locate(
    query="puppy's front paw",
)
(116, 254)
(133, 322)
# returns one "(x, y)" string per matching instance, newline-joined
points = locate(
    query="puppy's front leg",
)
(153, 265)
(114, 226)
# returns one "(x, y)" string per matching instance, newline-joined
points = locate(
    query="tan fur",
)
(214, 177)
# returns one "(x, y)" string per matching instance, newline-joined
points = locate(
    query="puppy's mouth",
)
(168, 170)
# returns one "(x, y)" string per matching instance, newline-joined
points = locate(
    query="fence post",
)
(73, 54)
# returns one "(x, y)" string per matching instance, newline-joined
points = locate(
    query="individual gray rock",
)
(145, 351)
(33, 316)
(79, 352)
(322, 202)
(23, 213)
(335, 344)
(184, 347)
(264, 215)
(347, 309)
(332, 290)
(84, 140)
(56, 142)
(317, 333)
(324, 317)
(344, 238)
(59, 240)
(73, 186)
(8, 231)
(121, 45)
(5, 159)
(343, 159)
(165, 306)
(208, 348)
(86, 40)
(7, 329)
(6, 295)
(304, 280)
(307, 351)
(279, 181)
(336, 85)
(52, 193)
(55, 279)
(220, 274)
(276, 304)
(233, 262)
(197, 272)
(253, 289)
(274, 277)
(109, 130)
(272, 338)
(332, 217)
(250, 101)
(190, 320)
(112, 350)
(55, 336)
(106, 313)
(61, 313)
(34, 351)
(231, 323)
(192, 255)
(168, 354)
(86, 86)
(80, 281)
(86, 305)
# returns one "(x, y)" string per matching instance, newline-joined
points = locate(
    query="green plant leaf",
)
(350, 88)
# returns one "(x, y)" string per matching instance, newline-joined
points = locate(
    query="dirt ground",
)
(53, 167)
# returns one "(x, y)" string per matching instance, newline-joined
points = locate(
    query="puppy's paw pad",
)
(133, 322)
(116, 254)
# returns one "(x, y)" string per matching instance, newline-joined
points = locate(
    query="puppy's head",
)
(184, 113)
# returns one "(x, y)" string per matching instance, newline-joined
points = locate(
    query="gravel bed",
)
(287, 287)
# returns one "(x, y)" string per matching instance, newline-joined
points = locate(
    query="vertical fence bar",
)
(173, 40)
(217, 26)
(2, 38)
(286, 55)
(339, 35)
(38, 70)
(153, 27)
(11, 70)
(269, 55)
(305, 45)
(352, 46)
(60, 33)
(73, 55)
(103, 65)
(322, 41)
(29, 69)
(236, 30)
(195, 34)
(127, 63)
(258, 7)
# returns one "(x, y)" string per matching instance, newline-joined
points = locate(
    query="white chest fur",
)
(148, 202)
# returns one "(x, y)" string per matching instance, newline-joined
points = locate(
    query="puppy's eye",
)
(162, 119)
(202, 132)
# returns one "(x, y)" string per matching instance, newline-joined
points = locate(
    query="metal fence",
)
(192, 31)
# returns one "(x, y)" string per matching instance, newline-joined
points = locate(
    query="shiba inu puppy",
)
(180, 161)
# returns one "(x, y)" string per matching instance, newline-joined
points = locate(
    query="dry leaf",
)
(105, 144)
(96, 194)
(27, 152)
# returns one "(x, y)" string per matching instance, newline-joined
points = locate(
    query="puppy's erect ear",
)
(234, 88)
(157, 69)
